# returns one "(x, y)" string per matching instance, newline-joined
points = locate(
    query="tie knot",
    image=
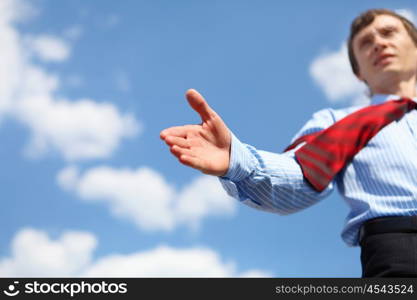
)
(410, 103)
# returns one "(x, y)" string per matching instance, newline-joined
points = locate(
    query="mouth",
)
(382, 59)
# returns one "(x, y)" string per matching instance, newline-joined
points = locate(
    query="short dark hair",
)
(366, 18)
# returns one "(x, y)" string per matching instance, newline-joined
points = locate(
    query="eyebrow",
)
(388, 27)
(368, 35)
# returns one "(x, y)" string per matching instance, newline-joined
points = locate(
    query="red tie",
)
(326, 152)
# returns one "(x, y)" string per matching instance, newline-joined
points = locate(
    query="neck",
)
(404, 88)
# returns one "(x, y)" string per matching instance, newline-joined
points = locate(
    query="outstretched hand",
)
(205, 147)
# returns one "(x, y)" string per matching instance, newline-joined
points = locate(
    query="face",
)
(385, 52)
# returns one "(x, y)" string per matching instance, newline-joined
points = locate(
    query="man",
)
(378, 179)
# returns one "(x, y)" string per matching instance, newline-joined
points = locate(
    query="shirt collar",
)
(379, 98)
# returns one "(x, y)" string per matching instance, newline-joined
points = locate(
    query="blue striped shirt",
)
(381, 180)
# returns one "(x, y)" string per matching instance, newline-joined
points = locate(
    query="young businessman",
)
(368, 152)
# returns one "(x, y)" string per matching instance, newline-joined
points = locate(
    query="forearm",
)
(268, 181)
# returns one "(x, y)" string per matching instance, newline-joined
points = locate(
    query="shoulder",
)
(329, 116)
(325, 118)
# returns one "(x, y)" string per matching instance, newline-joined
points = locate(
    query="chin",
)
(389, 70)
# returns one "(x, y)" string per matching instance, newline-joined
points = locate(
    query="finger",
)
(179, 141)
(178, 151)
(190, 161)
(179, 131)
(200, 105)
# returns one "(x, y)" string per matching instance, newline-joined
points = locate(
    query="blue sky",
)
(87, 186)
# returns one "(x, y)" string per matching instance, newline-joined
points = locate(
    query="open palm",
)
(205, 147)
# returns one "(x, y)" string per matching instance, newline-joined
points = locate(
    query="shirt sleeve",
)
(270, 181)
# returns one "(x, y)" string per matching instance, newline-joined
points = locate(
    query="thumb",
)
(200, 105)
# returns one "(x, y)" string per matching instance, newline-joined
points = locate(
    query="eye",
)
(387, 32)
(365, 42)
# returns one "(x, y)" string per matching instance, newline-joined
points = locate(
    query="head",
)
(382, 48)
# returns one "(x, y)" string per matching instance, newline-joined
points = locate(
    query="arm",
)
(264, 180)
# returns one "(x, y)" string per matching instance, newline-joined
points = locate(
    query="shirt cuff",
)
(242, 162)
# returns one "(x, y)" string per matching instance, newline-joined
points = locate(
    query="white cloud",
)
(77, 129)
(143, 196)
(35, 254)
(202, 197)
(332, 72)
(163, 261)
(12, 11)
(407, 13)
(68, 177)
(49, 48)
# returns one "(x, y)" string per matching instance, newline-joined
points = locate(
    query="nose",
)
(379, 43)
